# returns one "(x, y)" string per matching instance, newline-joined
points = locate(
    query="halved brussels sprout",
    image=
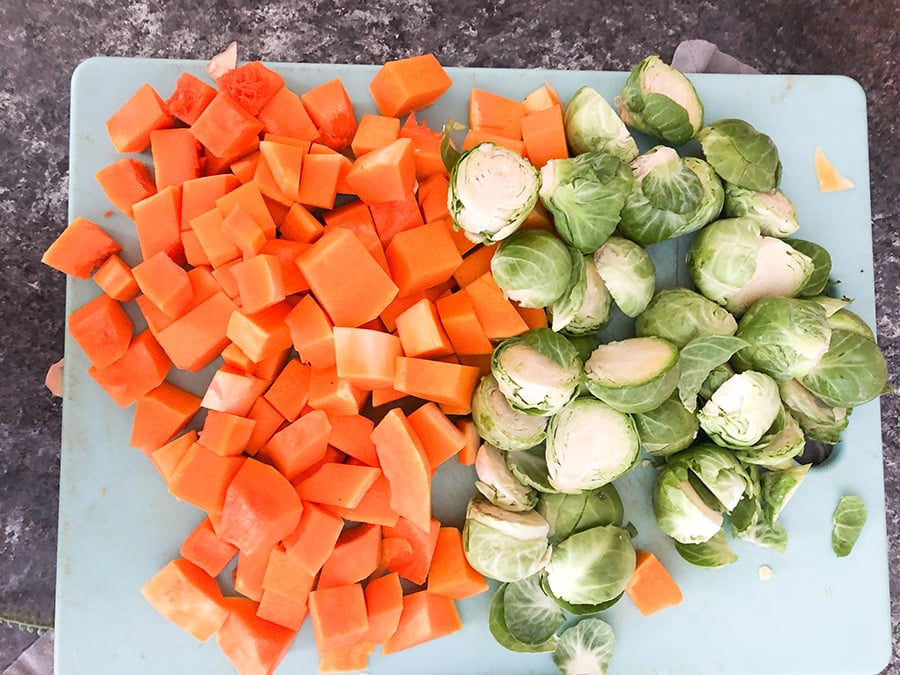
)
(585, 648)
(672, 196)
(592, 125)
(818, 421)
(568, 513)
(492, 191)
(666, 429)
(684, 509)
(589, 445)
(532, 267)
(563, 310)
(679, 315)
(504, 545)
(741, 411)
(592, 566)
(733, 265)
(661, 101)
(775, 213)
(787, 336)
(499, 628)
(741, 155)
(538, 371)
(851, 372)
(592, 313)
(585, 194)
(498, 484)
(633, 375)
(501, 425)
(628, 272)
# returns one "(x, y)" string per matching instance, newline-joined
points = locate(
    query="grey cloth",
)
(36, 660)
(691, 56)
(700, 56)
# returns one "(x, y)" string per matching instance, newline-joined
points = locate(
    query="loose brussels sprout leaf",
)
(497, 482)
(850, 373)
(628, 272)
(633, 375)
(844, 319)
(777, 488)
(722, 258)
(593, 312)
(500, 630)
(719, 470)
(564, 309)
(818, 421)
(698, 358)
(680, 510)
(741, 410)
(831, 305)
(504, 545)
(592, 125)
(741, 155)
(787, 337)
(750, 520)
(679, 315)
(538, 371)
(847, 523)
(499, 424)
(576, 512)
(779, 445)
(585, 194)
(492, 191)
(592, 566)
(659, 100)
(780, 270)
(712, 553)
(585, 648)
(532, 617)
(667, 429)
(775, 213)
(589, 445)
(761, 533)
(821, 260)
(532, 267)
(714, 380)
(530, 468)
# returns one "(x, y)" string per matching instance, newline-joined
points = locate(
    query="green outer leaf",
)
(847, 523)
(667, 429)
(698, 359)
(696, 315)
(585, 648)
(673, 186)
(853, 371)
(500, 631)
(569, 513)
(844, 319)
(578, 610)
(712, 553)
(531, 617)
(741, 155)
(818, 280)
(628, 272)
(666, 119)
(564, 310)
(722, 257)
(530, 467)
(532, 267)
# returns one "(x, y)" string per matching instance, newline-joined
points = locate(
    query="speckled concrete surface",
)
(41, 42)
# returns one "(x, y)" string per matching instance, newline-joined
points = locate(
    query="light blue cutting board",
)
(817, 614)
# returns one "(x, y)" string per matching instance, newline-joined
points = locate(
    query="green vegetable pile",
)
(723, 384)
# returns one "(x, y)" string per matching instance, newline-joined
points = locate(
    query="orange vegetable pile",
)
(309, 252)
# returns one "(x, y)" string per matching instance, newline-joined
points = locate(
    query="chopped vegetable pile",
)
(378, 302)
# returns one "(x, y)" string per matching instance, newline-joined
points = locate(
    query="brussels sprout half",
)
(492, 191)
(498, 484)
(500, 424)
(592, 125)
(532, 267)
(589, 444)
(741, 155)
(628, 272)
(775, 213)
(680, 508)
(633, 375)
(592, 310)
(585, 194)
(851, 372)
(538, 371)
(661, 101)
(818, 421)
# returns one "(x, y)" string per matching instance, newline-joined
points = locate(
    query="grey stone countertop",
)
(41, 42)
